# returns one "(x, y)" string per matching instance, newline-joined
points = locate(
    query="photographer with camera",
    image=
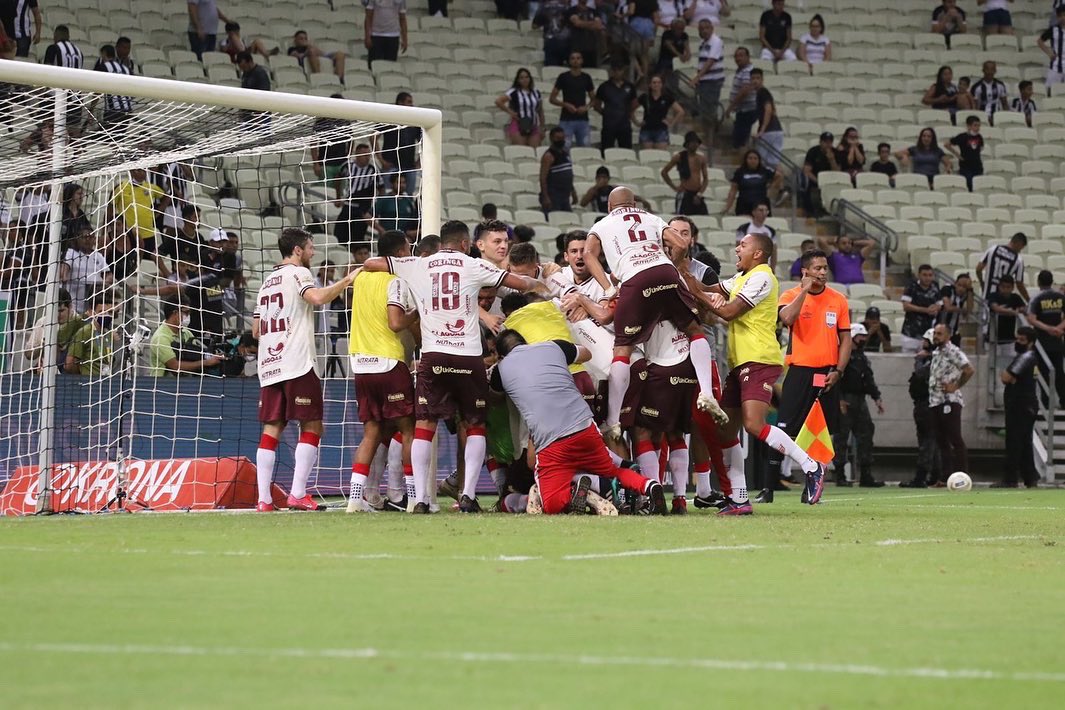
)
(173, 348)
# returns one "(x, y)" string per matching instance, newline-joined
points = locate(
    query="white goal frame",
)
(36, 75)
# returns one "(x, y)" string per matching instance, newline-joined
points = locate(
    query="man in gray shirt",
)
(386, 29)
(203, 25)
(741, 99)
(538, 381)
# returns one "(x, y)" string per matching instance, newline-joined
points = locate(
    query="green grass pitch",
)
(888, 599)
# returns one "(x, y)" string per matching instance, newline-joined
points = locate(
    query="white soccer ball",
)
(959, 481)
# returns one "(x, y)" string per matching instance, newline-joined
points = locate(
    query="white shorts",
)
(910, 345)
(1055, 77)
(789, 56)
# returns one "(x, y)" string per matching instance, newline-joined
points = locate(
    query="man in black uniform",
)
(1046, 314)
(856, 384)
(927, 451)
(1021, 412)
(557, 193)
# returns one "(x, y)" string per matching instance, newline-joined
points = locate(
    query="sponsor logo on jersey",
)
(441, 370)
(397, 397)
(303, 401)
(270, 373)
(478, 403)
(276, 351)
(650, 248)
(647, 411)
(682, 381)
(767, 387)
(655, 289)
(457, 329)
(269, 361)
(272, 281)
(433, 263)
(643, 375)
(423, 400)
(633, 329)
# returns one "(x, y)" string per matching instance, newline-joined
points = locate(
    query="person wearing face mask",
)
(173, 348)
(1022, 409)
(927, 450)
(856, 384)
(93, 346)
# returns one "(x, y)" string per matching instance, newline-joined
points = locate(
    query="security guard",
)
(857, 383)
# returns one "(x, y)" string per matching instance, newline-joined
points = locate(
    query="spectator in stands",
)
(884, 164)
(252, 76)
(489, 213)
(1006, 307)
(774, 32)
(233, 44)
(118, 109)
(398, 149)
(84, 270)
(185, 243)
(850, 153)
(949, 19)
(74, 217)
(63, 52)
(943, 93)
(957, 305)
(949, 372)
(173, 348)
(967, 148)
(556, 28)
(123, 54)
(1046, 313)
(757, 225)
(135, 202)
(964, 101)
(769, 128)
(643, 19)
(750, 184)
(694, 177)
(203, 25)
(360, 252)
(796, 266)
(15, 18)
(39, 138)
(1052, 42)
(599, 193)
(669, 11)
(846, 261)
(616, 100)
(310, 56)
(820, 158)
(557, 193)
(586, 32)
(674, 45)
(712, 10)
(815, 46)
(742, 99)
(118, 245)
(361, 189)
(710, 76)
(879, 332)
(396, 211)
(525, 106)
(329, 156)
(385, 35)
(926, 157)
(921, 302)
(997, 19)
(523, 234)
(1024, 104)
(1000, 260)
(990, 93)
(661, 111)
(93, 345)
(438, 8)
(70, 322)
(574, 92)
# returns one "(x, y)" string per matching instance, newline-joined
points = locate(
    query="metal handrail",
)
(1050, 392)
(888, 238)
(793, 175)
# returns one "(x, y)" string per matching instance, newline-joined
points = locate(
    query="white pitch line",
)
(532, 658)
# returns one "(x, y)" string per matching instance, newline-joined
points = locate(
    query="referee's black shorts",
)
(797, 395)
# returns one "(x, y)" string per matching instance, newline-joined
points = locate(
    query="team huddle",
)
(600, 377)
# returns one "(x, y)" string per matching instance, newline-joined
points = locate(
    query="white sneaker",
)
(708, 404)
(534, 506)
(611, 431)
(359, 505)
(600, 505)
(376, 500)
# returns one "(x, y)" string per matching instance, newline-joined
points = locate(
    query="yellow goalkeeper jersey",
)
(370, 334)
(540, 322)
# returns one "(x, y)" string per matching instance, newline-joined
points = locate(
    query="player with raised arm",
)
(748, 302)
(451, 374)
(290, 387)
(651, 291)
(383, 385)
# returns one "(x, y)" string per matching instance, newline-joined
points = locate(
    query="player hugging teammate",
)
(577, 336)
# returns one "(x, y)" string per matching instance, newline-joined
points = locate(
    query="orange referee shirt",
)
(814, 339)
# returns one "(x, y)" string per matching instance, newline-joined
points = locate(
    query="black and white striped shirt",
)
(1026, 107)
(64, 53)
(1000, 261)
(989, 94)
(1056, 37)
(712, 48)
(525, 103)
(362, 182)
(24, 24)
(114, 102)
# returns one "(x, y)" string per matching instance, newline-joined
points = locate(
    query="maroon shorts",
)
(647, 299)
(385, 395)
(750, 381)
(450, 384)
(586, 386)
(666, 404)
(633, 395)
(299, 398)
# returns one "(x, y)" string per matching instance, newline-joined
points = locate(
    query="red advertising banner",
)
(164, 485)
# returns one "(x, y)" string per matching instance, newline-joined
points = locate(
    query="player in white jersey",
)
(451, 374)
(290, 387)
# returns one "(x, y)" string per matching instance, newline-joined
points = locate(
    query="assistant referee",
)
(816, 357)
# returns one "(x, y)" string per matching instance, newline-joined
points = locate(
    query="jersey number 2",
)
(636, 232)
(446, 291)
(272, 325)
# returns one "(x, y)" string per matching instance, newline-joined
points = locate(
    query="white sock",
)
(516, 502)
(421, 453)
(702, 483)
(648, 462)
(358, 485)
(395, 471)
(410, 488)
(264, 473)
(780, 441)
(702, 358)
(499, 478)
(678, 468)
(377, 469)
(734, 457)
(614, 457)
(476, 445)
(617, 385)
(306, 456)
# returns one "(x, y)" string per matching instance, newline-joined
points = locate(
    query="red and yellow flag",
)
(814, 438)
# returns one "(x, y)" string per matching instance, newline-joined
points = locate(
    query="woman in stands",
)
(712, 10)
(660, 112)
(850, 153)
(944, 93)
(926, 157)
(750, 184)
(525, 106)
(815, 46)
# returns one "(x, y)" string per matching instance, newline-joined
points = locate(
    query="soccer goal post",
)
(139, 217)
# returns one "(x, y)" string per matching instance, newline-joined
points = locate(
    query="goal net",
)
(139, 217)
